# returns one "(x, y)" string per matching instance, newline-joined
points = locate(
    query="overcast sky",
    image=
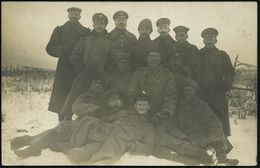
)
(27, 26)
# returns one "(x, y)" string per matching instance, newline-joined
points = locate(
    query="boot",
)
(19, 142)
(30, 151)
(228, 162)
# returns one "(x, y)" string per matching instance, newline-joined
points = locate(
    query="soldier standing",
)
(216, 77)
(188, 52)
(120, 79)
(91, 55)
(62, 41)
(143, 44)
(165, 42)
(122, 39)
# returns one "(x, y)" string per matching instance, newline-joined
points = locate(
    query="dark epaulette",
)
(58, 28)
(130, 35)
(192, 46)
(88, 30)
(223, 52)
(111, 35)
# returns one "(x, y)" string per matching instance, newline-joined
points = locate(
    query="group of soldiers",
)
(186, 86)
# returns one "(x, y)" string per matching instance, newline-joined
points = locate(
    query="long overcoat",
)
(216, 75)
(62, 41)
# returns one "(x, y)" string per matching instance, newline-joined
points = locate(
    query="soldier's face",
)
(210, 41)
(175, 62)
(115, 102)
(181, 36)
(153, 59)
(74, 16)
(188, 92)
(163, 29)
(121, 22)
(124, 66)
(99, 26)
(142, 106)
(145, 31)
(96, 86)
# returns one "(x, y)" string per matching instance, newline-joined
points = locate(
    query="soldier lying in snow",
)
(85, 105)
(106, 142)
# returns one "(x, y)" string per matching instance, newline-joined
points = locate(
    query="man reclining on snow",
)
(87, 104)
(132, 132)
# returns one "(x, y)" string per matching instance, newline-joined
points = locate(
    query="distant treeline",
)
(27, 72)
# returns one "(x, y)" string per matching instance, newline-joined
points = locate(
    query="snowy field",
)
(27, 114)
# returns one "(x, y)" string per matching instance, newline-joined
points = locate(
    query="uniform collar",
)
(92, 94)
(97, 34)
(210, 49)
(184, 43)
(146, 38)
(72, 24)
(193, 101)
(120, 31)
(152, 69)
(166, 37)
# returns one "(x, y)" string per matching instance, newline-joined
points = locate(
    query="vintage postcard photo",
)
(129, 83)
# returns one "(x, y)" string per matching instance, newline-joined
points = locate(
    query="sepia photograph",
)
(129, 83)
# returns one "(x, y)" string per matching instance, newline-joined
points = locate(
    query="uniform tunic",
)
(142, 49)
(166, 46)
(62, 41)
(199, 123)
(90, 55)
(188, 53)
(122, 40)
(119, 81)
(159, 83)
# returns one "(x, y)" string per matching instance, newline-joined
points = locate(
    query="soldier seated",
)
(202, 127)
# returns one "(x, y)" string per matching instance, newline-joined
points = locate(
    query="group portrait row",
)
(115, 93)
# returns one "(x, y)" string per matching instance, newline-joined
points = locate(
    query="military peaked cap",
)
(100, 16)
(181, 29)
(209, 31)
(74, 9)
(163, 21)
(142, 97)
(120, 13)
(191, 83)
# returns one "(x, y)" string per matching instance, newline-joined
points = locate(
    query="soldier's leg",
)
(183, 148)
(25, 140)
(19, 142)
(39, 143)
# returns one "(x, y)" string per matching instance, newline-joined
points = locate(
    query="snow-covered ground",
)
(28, 114)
